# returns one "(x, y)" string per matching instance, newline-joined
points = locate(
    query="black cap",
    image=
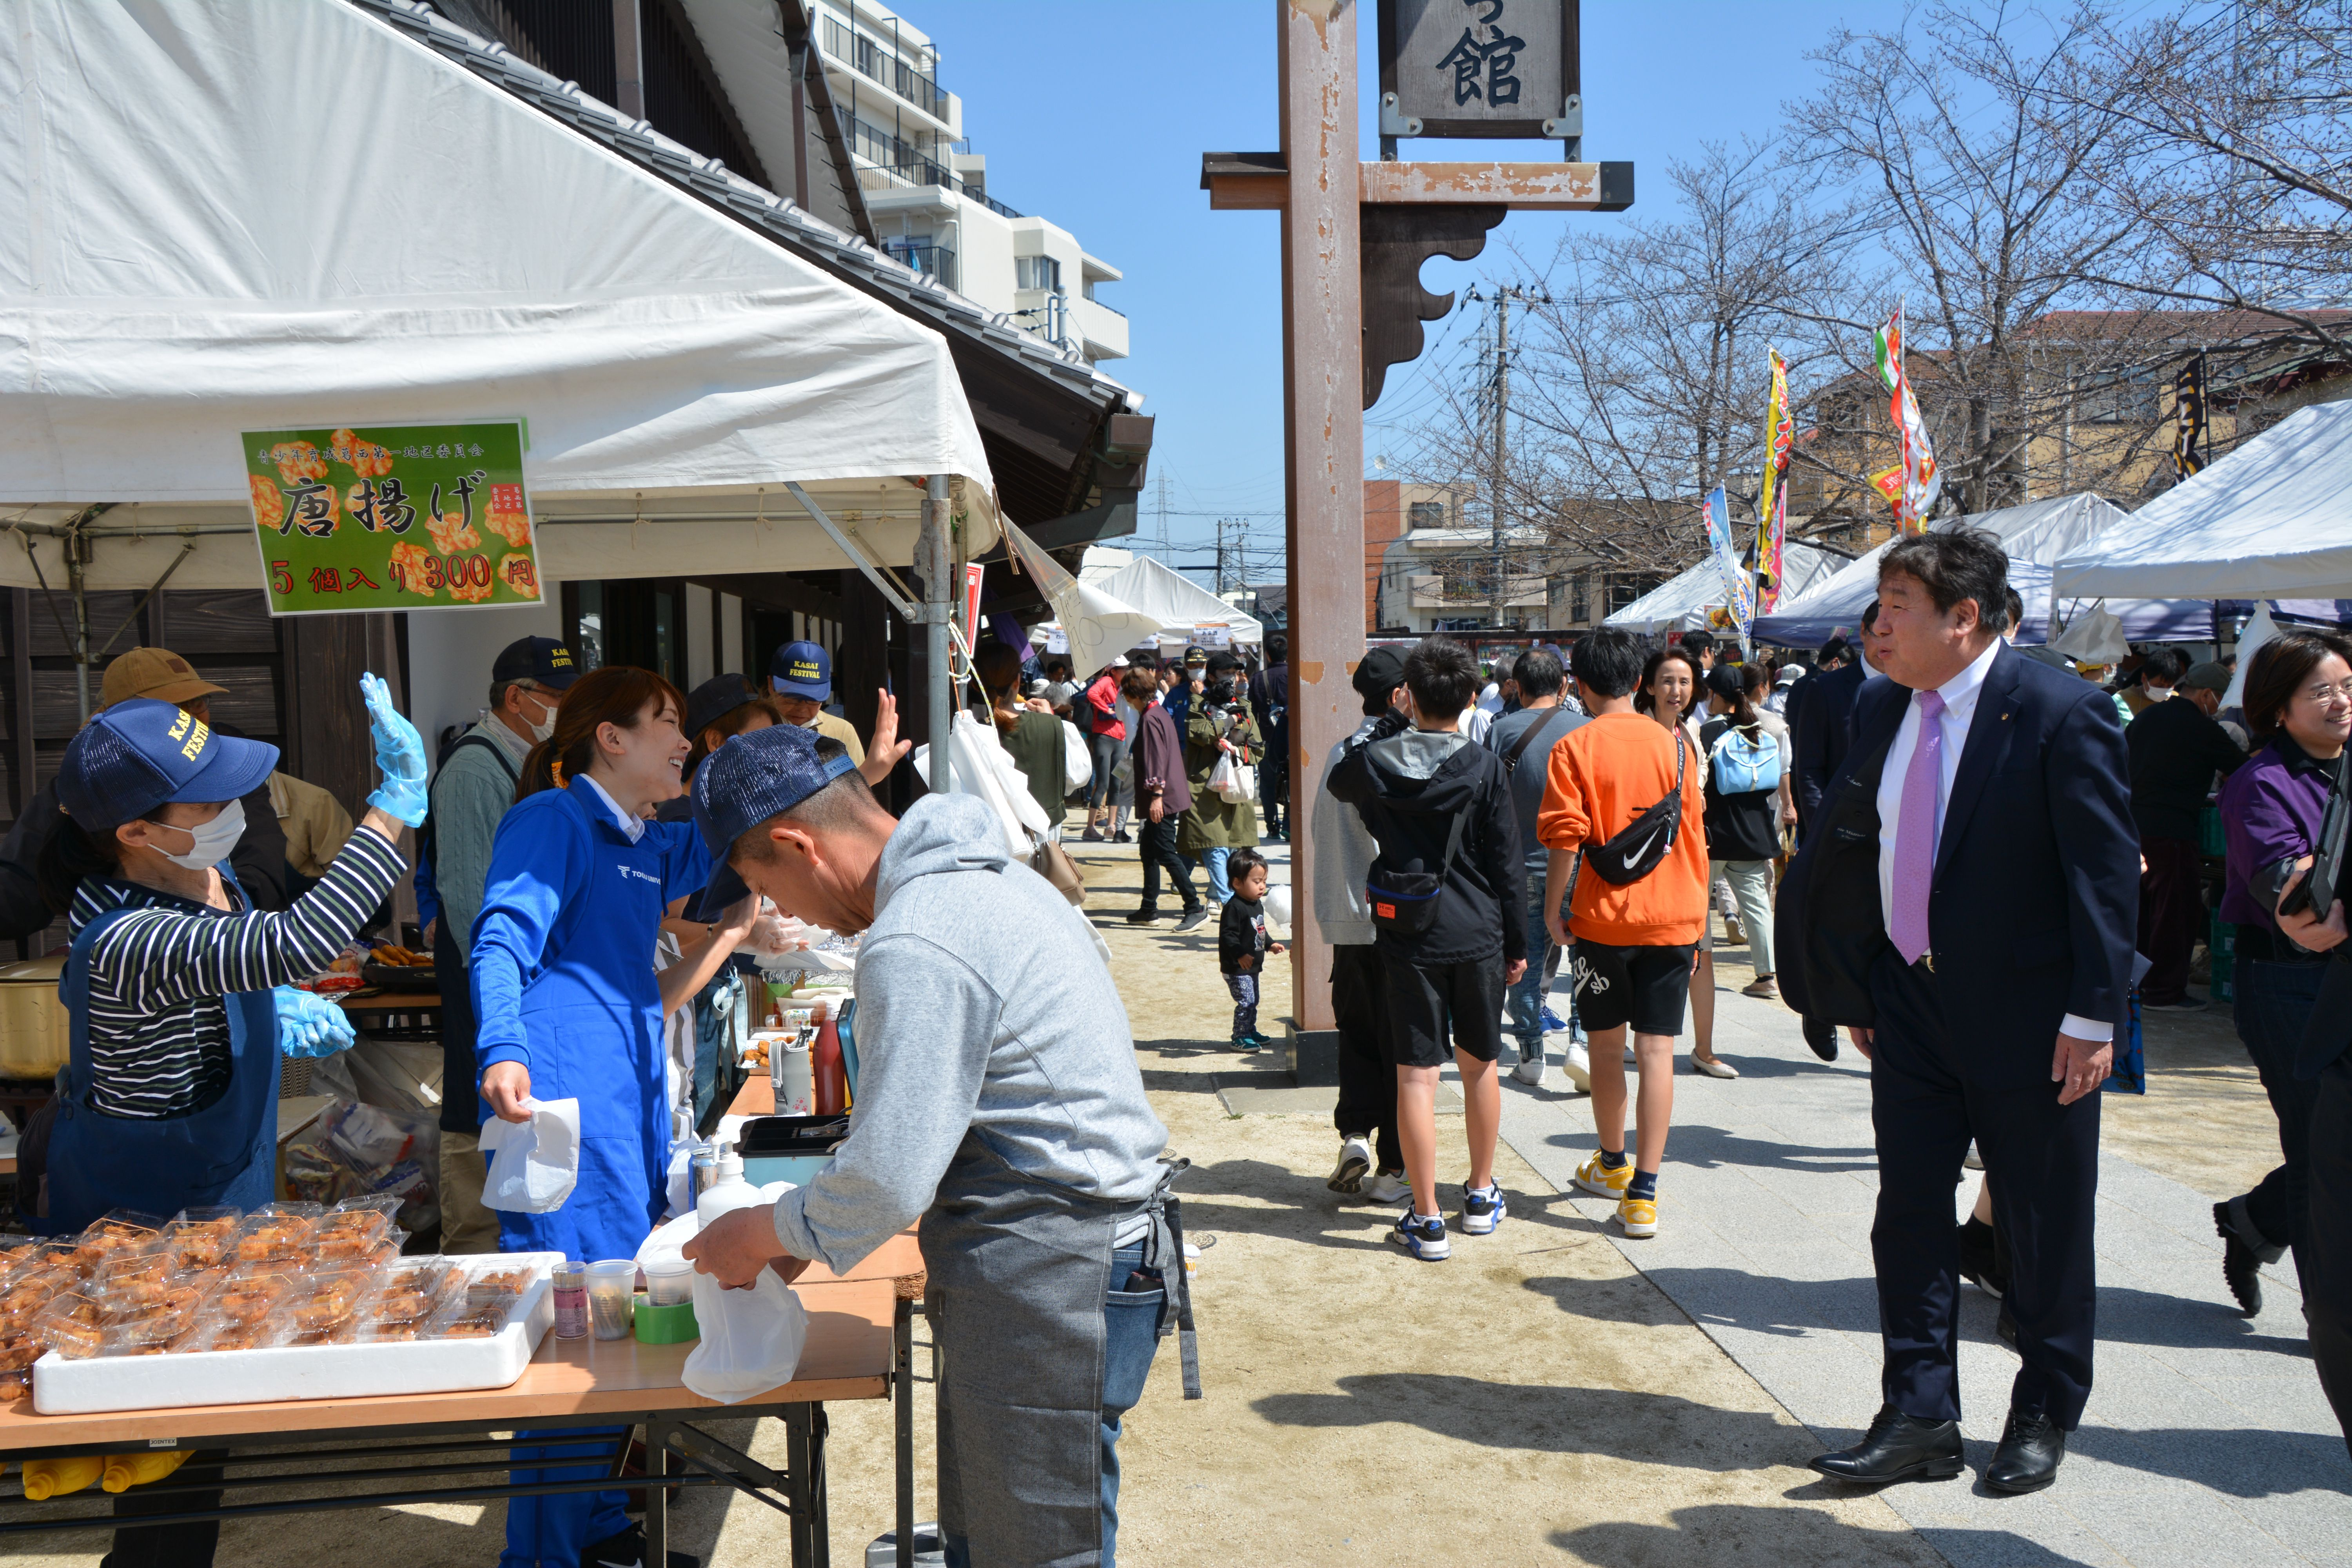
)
(1381, 672)
(714, 699)
(542, 661)
(1223, 660)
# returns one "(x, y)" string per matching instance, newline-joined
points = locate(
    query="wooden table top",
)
(847, 1356)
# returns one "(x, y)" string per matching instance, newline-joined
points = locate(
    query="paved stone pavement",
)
(2206, 1440)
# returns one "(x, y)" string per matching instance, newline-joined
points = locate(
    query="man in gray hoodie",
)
(998, 1101)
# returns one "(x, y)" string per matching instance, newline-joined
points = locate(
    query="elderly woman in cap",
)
(178, 989)
(1218, 724)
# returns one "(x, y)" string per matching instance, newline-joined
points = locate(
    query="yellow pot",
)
(35, 1029)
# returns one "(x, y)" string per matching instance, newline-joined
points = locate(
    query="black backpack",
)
(1635, 850)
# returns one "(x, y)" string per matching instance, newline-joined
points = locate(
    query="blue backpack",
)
(1746, 760)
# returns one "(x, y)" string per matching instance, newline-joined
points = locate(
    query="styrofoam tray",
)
(99, 1384)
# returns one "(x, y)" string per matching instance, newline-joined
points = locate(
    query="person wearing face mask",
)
(472, 789)
(801, 675)
(569, 1006)
(179, 990)
(1218, 723)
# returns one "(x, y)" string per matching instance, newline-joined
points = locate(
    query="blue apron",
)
(225, 1152)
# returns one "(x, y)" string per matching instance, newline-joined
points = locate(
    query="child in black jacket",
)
(1241, 940)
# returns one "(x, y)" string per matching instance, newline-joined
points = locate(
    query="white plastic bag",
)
(1078, 762)
(1244, 787)
(1221, 778)
(752, 1340)
(534, 1164)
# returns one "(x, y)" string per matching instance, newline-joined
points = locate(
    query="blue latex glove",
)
(309, 1025)
(399, 752)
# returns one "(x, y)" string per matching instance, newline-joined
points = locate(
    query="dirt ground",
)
(1533, 1401)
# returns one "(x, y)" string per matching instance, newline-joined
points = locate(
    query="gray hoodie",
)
(982, 1005)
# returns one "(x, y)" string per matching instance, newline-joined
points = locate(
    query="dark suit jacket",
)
(2035, 905)
(1818, 734)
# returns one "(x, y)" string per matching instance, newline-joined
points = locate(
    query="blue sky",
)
(1094, 113)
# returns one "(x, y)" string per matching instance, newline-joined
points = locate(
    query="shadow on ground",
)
(1726, 1534)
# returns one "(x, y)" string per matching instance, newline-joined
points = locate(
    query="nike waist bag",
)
(1634, 851)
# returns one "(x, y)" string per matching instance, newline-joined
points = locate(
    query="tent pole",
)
(933, 553)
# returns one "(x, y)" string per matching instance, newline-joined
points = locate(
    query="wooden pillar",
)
(1322, 376)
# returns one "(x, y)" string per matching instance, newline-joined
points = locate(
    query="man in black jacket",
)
(1822, 727)
(1968, 908)
(2176, 750)
(1449, 868)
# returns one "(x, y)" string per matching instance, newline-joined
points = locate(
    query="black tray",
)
(398, 976)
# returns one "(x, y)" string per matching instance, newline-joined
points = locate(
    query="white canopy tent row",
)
(1134, 601)
(2035, 535)
(232, 217)
(1681, 603)
(2271, 521)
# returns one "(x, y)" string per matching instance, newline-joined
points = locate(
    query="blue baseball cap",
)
(140, 753)
(542, 661)
(802, 670)
(754, 777)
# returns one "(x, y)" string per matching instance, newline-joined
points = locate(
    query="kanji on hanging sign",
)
(1479, 67)
(398, 516)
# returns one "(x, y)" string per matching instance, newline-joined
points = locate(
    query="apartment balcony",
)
(869, 58)
(886, 163)
(927, 256)
(1104, 329)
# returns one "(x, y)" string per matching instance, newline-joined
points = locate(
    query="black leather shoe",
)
(1898, 1448)
(2240, 1264)
(1822, 1035)
(2027, 1460)
(1979, 1258)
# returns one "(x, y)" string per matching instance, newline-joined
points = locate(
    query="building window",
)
(1579, 598)
(1038, 272)
(1425, 514)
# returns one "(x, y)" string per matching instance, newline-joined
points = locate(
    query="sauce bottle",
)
(832, 1077)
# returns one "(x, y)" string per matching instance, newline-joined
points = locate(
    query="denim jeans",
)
(1214, 862)
(1130, 1338)
(1243, 988)
(1526, 1000)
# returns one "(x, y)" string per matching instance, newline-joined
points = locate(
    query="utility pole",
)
(1163, 516)
(1502, 412)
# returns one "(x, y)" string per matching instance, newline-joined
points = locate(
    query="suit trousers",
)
(2327, 1252)
(2171, 913)
(2042, 1162)
(1367, 1078)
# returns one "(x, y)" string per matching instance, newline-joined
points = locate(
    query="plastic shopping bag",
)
(534, 1164)
(1221, 778)
(1078, 762)
(1245, 782)
(752, 1340)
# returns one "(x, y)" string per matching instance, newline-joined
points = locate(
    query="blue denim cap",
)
(802, 670)
(140, 753)
(754, 777)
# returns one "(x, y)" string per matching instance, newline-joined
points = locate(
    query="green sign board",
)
(393, 517)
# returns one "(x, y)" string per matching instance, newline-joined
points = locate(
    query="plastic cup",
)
(668, 1281)
(613, 1297)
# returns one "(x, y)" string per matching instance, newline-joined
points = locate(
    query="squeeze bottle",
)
(832, 1077)
(55, 1477)
(728, 1193)
(124, 1471)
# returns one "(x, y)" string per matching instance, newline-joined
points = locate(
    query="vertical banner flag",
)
(1772, 506)
(1739, 588)
(2189, 438)
(1915, 455)
(973, 573)
(392, 517)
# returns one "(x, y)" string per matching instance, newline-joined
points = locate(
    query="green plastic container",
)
(671, 1325)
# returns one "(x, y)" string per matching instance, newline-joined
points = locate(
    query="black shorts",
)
(1644, 986)
(1429, 1001)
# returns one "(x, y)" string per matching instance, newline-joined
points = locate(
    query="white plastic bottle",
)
(729, 1192)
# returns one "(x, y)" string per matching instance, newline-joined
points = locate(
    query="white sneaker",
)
(1530, 1070)
(1355, 1159)
(1387, 1187)
(1577, 1062)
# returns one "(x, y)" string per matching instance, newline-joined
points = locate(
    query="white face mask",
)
(214, 839)
(543, 729)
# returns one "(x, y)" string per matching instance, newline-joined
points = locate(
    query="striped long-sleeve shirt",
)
(158, 1026)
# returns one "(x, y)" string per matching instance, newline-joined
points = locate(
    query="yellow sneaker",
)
(1600, 1181)
(1638, 1216)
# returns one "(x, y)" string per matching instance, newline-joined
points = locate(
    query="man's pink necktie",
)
(1914, 833)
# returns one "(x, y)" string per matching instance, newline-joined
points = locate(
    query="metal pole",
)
(1501, 595)
(72, 540)
(934, 556)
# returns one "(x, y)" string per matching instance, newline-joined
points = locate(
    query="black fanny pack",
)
(1635, 851)
(1405, 902)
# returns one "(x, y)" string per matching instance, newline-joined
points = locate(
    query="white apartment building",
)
(928, 193)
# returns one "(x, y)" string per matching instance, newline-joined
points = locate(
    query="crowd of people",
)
(1955, 851)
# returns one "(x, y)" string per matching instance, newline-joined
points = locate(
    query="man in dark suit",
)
(1821, 726)
(1968, 908)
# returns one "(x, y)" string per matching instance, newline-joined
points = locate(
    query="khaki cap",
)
(154, 672)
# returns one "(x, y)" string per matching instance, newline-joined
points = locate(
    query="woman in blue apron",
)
(177, 987)
(571, 1007)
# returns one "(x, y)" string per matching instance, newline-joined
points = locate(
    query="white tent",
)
(1681, 603)
(2272, 520)
(2034, 534)
(1180, 607)
(230, 217)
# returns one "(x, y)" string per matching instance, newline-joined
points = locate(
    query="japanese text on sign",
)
(1466, 68)
(393, 517)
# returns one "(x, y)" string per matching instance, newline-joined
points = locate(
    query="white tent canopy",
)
(1681, 603)
(2272, 520)
(2034, 535)
(1143, 586)
(247, 217)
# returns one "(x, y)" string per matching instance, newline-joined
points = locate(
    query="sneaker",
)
(1732, 935)
(1423, 1235)
(1765, 989)
(1122, 836)
(1091, 835)
(1483, 1208)
(1387, 1187)
(1530, 1071)
(1355, 1159)
(1261, 1042)
(1638, 1216)
(1246, 1044)
(1600, 1181)
(1553, 1023)
(1577, 1063)
(1197, 915)
(1142, 917)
